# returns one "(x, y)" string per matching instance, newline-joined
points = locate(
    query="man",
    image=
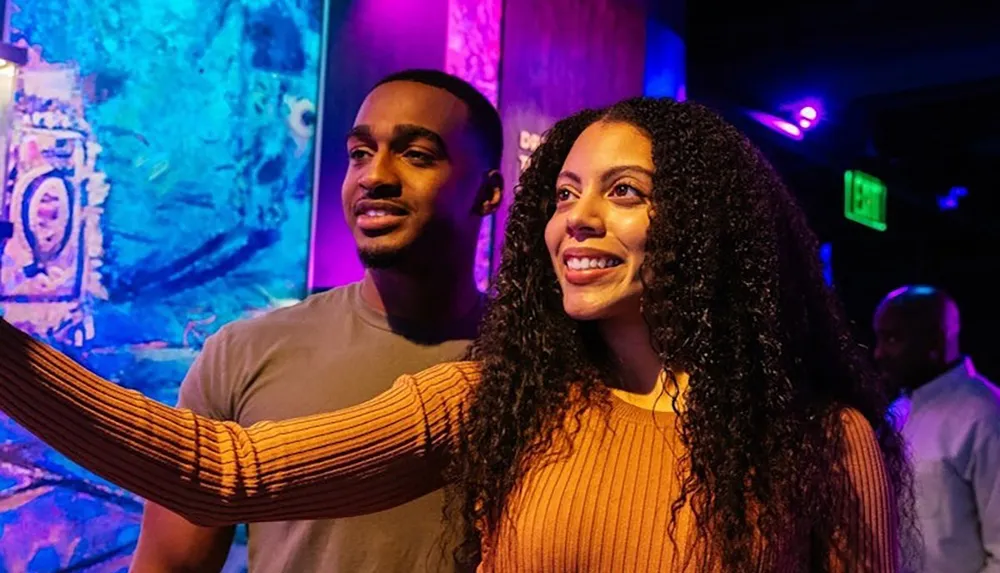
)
(424, 158)
(950, 418)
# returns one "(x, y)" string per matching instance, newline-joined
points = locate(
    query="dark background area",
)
(910, 96)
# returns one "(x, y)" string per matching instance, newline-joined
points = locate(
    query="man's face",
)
(906, 349)
(413, 174)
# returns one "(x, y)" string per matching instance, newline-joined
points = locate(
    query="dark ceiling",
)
(914, 94)
(843, 49)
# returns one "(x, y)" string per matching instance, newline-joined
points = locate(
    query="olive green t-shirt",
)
(328, 352)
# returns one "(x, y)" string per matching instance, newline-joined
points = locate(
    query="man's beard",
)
(424, 250)
(383, 258)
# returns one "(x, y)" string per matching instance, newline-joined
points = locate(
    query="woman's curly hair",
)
(736, 298)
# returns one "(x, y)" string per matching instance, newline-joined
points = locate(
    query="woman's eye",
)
(625, 190)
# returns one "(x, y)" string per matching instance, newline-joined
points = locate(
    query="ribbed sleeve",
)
(363, 459)
(868, 502)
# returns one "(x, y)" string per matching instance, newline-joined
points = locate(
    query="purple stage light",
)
(805, 113)
(776, 124)
(950, 201)
(947, 203)
(788, 128)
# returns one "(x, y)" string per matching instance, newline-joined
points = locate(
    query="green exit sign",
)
(864, 199)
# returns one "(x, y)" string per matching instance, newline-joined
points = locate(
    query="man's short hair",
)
(483, 117)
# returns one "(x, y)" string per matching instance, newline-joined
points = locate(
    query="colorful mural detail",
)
(473, 54)
(54, 198)
(158, 187)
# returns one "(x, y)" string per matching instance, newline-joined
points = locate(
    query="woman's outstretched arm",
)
(359, 460)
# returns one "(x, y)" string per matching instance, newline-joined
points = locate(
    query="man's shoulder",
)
(975, 393)
(304, 316)
(983, 403)
(965, 404)
(257, 352)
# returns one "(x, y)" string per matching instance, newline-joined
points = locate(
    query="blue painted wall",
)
(163, 148)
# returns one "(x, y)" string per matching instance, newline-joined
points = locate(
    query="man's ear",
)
(490, 193)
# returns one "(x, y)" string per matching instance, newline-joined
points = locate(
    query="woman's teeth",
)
(585, 263)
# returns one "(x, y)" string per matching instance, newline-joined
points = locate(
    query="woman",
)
(662, 383)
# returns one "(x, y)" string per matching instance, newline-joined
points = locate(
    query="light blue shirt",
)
(952, 427)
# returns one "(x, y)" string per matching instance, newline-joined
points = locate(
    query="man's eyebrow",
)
(360, 132)
(402, 135)
(406, 133)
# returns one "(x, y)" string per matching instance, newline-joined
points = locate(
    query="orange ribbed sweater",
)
(604, 508)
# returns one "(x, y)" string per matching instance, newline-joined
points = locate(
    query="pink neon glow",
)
(805, 123)
(473, 54)
(809, 113)
(776, 124)
(473, 50)
(788, 128)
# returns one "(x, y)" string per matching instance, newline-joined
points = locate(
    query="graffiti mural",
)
(158, 186)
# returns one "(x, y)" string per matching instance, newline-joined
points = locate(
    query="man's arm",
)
(168, 543)
(985, 480)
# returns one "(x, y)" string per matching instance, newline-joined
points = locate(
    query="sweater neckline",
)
(627, 412)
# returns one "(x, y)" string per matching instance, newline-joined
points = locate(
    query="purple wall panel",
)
(560, 56)
(367, 39)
